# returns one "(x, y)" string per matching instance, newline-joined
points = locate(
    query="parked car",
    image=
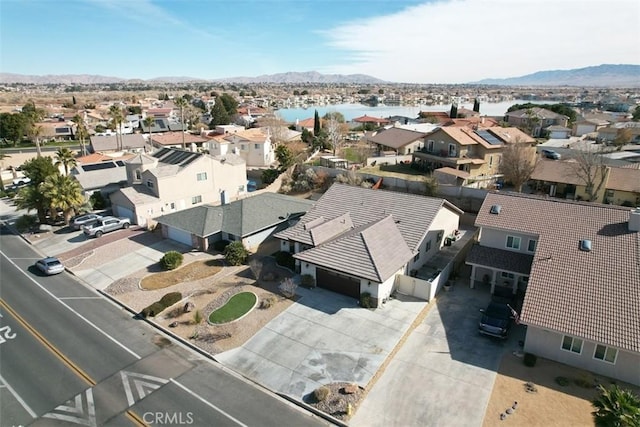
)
(106, 225)
(50, 265)
(550, 154)
(86, 219)
(496, 320)
(18, 182)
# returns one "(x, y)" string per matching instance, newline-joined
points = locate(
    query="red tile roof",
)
(369, 119)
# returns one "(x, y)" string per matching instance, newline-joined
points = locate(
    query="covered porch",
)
(501, 270)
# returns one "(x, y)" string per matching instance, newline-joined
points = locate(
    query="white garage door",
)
(127, 213)
(179, 236)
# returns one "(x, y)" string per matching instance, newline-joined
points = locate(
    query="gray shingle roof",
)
(240, 218)
(396, 137)
(108, 143)
(593, 295)
(502, 259)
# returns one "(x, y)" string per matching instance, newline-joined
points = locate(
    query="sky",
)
(411, 41)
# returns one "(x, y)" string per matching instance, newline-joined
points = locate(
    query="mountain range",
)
(605, 75)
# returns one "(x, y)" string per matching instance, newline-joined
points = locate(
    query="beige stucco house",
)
(171, 180)
(253, 145)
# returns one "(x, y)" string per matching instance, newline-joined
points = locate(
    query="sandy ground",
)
(552, 404)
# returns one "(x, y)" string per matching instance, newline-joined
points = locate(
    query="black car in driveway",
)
(496, 319)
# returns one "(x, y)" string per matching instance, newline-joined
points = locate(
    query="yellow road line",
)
(75, 368)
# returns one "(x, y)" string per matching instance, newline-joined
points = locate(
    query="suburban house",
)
(161, 124)
(172, 180)
(536, 119)
(375, 121)
(621, 186)
(250, 220)
(111, 143)
(578, 267)
(558, 132)
(397, 140)
(587, 126)
(307, 124)
(356, 240)
(253, 145)
(106, 176)
(459, 155)
(610, 133)
(174, 140)
(55, 131)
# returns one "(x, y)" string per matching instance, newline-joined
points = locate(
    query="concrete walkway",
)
(444, 373)
(324, 337)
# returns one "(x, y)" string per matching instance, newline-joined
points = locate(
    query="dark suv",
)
(496, 320)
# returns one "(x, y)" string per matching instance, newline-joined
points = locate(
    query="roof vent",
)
(585, 245)
(495, 209)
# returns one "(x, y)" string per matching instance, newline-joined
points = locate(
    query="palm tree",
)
(182, 103)
(616, 407)
(116, 115)
(149, 121)
(62, 192)
(81, 131)
(35, 132)
(66, 158)
(30, 198)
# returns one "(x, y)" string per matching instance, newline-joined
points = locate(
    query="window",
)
(532, 245)
(150, 211)
(173, 205)
(604, 353)
(196, 200)
(513, 242)
(149, 183)
(430, 145)
(202, 176)
(490, 160)
(242, 147)
(452, 150)
(572, 344)
(427, 247)
(138, 174)
(417, 257)
(506, 275)
(256, 146)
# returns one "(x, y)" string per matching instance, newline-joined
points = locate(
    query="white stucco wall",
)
(445, 221)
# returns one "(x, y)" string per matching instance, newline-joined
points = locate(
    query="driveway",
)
(323, 338)
(444, 373)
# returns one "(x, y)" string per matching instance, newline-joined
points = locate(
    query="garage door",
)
(126, 213)
(179, 236)
(338, 283)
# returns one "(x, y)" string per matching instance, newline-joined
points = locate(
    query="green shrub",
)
(285, 259)
(26, 222)
(220, 245)
(171, 260)
(365, 300)
(171, 298)
(97, 200)
(307, 281)
(562, 381)
(152, 310)
(235, 253)
(269, 175)
(321, 393)
(530, 359)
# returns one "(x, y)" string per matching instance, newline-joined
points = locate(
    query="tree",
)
(616, 407)
(518, 163)
(134, 109)
(81, 132)
(33, 115)
(30, 198)
(453, 113)
(117, 118)
(276, 126)
(336, 115)
(306, 136)
(13, 127)
(635, 116)
(34, 132)
(38, 169)
(219, 115)
(476, 105)
(334, 132)
(230, 104)
(316, 123)
(64, 193)
(149, 121)
(623, 137)
(66, 158)
(284, 156)
(182, 103)
(591, 169)
(235, 253)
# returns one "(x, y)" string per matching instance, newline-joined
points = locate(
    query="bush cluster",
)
(157, 307)
(530, 359)
(171, 260)
(235, 253)
(365, 300)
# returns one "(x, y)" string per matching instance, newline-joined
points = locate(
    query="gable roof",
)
(109, 143)
(538, 112)
(593, 295)
(240, 218)
(369, 119)
(396, 137)
(100, 174)
(173, 138)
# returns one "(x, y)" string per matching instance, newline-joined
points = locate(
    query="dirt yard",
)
(552, 404)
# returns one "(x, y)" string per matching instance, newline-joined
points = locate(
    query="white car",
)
(50, 266)
(21, 181)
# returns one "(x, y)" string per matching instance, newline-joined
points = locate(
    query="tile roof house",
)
(105, 176)
(251, 220)
(559, 179)
(172, 180)
(55, 131)
(105, 144)
(478, 152)
(401, 141)
(536, 118)
(578, 266)
(253, 145)
(174, 140)
(357, 240)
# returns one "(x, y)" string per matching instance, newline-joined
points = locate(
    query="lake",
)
(351, 111)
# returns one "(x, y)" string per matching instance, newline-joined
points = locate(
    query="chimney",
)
(634, 220)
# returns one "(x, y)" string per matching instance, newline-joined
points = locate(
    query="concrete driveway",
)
(444, 373)
(324, 337)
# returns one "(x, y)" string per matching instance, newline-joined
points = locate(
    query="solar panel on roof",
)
(98, 166)
(491, 139)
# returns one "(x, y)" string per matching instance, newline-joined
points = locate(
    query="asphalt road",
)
(70, 357)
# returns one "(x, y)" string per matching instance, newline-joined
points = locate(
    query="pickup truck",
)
(105, 225)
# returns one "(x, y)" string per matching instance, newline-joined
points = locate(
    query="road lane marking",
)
(240, 423)
(76, 407)
(18, 398)
(141, 383)
(66, 298)
(72, 310)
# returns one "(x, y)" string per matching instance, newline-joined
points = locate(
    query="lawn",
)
(398, 171)
(194, 271)
(237, 306)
